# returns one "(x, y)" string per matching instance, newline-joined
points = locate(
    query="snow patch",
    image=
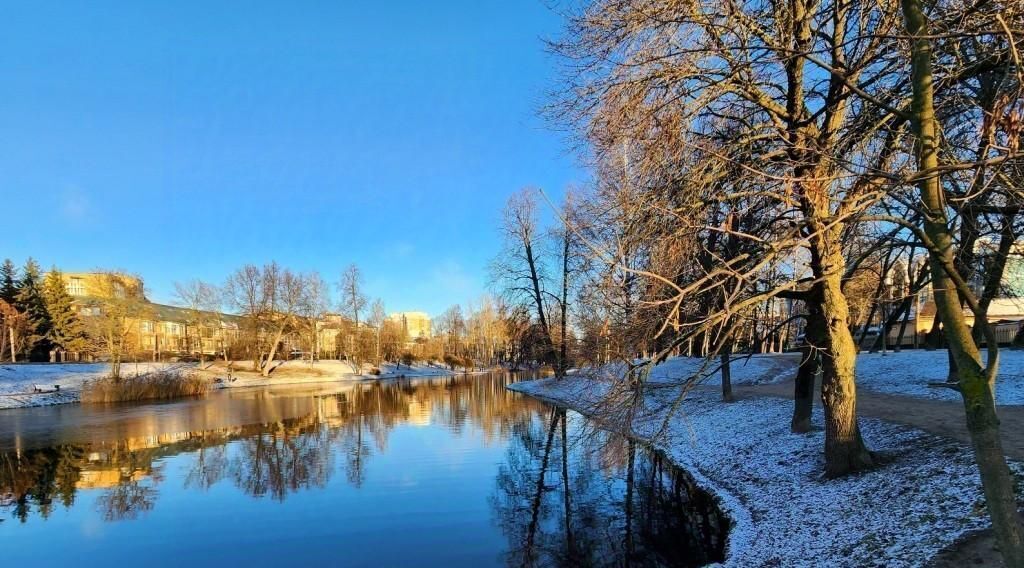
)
(925, 496)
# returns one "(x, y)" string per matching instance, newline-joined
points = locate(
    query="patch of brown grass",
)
(160, 385)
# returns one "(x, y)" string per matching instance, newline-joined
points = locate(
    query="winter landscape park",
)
(538, 283)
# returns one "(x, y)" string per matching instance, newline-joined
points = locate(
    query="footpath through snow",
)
(925, 497)
(906, 373)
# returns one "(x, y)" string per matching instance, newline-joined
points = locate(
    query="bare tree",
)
(14, 329)
(114, 316)
(976, 380)
(313, 307)
(353, 300)
(520, 270)
(202, 300)
(376, 321)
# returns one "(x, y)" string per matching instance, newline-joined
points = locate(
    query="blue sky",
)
(183, 139)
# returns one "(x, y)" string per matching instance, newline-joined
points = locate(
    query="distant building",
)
(160, 330)
(1005, 313)
(415, 324)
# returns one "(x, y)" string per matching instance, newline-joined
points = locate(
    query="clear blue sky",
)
(183, 139)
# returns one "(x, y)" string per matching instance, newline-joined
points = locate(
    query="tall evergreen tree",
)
(29, 301)
(8, 281)
(67, 330)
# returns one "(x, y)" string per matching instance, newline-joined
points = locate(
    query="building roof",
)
(179, 314)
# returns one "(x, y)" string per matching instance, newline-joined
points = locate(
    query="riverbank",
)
(924, 498)
(18, 381)
(239, 374)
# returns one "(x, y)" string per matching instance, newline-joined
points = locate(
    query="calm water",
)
(420, 472)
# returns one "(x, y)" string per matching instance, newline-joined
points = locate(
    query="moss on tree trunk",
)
(982, 421)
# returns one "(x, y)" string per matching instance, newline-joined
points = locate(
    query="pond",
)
(454, 471)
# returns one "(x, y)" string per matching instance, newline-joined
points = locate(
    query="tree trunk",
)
(570, 545)
(271, 352)
(982, 421)
(806, 374)
(844, 449)
(538, 495)
(727, 373)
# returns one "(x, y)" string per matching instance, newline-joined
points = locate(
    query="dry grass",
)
(151, 386)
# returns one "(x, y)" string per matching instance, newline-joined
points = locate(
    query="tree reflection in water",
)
(562, 496)
(275, 457)
(571, 496)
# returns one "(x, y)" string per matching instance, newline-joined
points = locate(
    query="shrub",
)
(151, 386)
(408, 359)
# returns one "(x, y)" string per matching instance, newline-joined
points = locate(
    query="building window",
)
(119, 291)
(76, 287)
(146, 326)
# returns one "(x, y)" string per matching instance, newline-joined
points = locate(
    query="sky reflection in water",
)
(412, 473)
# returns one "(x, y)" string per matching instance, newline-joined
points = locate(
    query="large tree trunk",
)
(538, 298)
(806, 374)
(271, 352)
(844, 449)
(979, 403)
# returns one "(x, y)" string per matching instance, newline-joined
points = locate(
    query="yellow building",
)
(415, 324)
(158, 330)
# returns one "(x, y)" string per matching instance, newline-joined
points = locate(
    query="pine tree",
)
(67, 330)
(29, 301)
(8, 277)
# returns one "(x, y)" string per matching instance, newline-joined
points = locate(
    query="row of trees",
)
(37, 315)
(274, 302)
(746, 154)
(277, 306)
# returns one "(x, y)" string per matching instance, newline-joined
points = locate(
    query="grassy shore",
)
(159, 385)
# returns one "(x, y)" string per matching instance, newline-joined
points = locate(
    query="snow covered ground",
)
(17, 380)
(906, 373)
(744, 370)
(302, 372)
(925, 497)
(909, 372)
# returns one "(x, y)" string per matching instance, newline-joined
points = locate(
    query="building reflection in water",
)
(266, 442)
(562, 493)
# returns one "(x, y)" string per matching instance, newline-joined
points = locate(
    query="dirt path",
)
(943, 418)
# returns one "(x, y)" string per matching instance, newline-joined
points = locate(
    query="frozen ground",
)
(302, 372)
(925, 497)
(908, 372)
(18, 380)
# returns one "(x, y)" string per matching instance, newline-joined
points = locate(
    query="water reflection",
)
(416, 456)
(569, 495)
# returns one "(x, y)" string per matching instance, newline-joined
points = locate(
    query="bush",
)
(408, 359)
(151, 386)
